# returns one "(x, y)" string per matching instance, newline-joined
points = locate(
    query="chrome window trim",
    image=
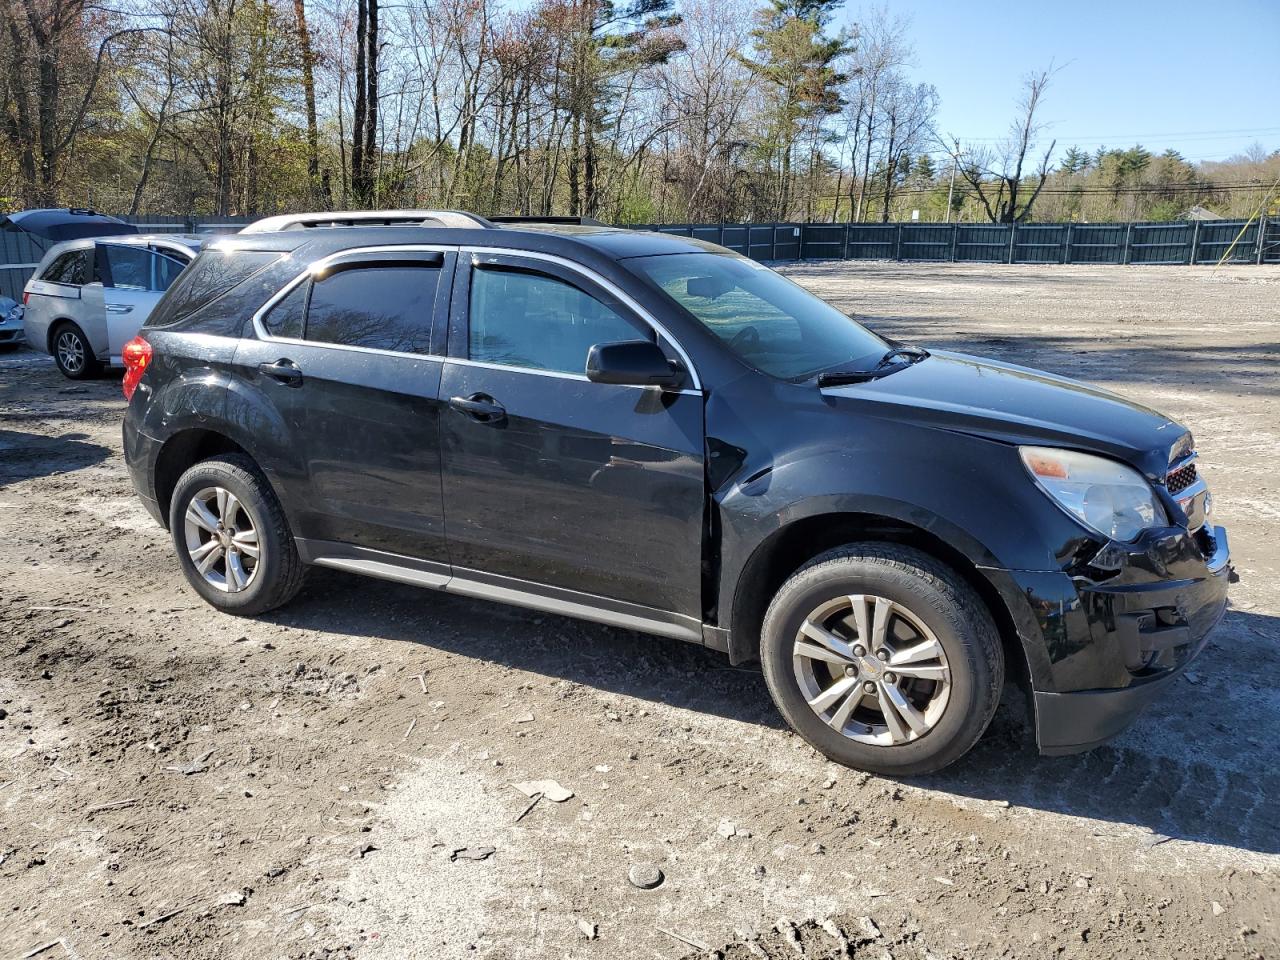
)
(318, 265)
(608, 285)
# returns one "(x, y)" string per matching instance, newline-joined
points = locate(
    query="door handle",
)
(285, 371)
(119, 308)
(480, 407)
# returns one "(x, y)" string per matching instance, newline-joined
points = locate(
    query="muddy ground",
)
(178, 783)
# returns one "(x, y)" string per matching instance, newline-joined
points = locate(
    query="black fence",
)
(1182, 242)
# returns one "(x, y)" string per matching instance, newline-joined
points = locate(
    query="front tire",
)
(73, 354)
(883, 659)
(232, 539)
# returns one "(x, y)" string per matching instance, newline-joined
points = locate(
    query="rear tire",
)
(883, 659)
(222, 513)
(73, 354)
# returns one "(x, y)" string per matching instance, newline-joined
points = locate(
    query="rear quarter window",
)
(212, 275)
(74, 267)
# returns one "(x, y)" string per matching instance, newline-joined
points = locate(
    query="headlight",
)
(1103, 494)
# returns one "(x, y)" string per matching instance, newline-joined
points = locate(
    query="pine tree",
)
(800, 62)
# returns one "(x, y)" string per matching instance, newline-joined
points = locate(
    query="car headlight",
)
(1104, 495)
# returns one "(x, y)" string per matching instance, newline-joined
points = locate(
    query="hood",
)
(1002, 401)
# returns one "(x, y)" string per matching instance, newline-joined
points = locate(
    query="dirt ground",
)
(178, 783)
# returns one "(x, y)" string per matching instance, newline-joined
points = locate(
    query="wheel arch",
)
(56, 324)
(184, 450)
(794, 544)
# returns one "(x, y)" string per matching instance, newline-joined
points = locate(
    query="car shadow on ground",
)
(24, 456)
(1172, 774)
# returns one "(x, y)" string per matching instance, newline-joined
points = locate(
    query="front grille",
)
(1180, 479)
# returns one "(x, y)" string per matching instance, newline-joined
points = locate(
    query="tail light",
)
(136, 356)
(26, 297)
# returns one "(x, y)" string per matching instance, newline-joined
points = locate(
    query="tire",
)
(72, 352)
(952, 696)
(249, 586)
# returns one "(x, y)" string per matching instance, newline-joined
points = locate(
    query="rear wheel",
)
(72, 353)
(232, 538)
(883, 659)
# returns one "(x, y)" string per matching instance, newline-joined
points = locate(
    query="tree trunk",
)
(358, 116)
(309, 95)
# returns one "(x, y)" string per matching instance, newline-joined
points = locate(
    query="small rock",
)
(365, 848)
(472, 853)
(758, 871)
(602, 768)
(63, 623)
(817, 848)
(944, 881)
(549, 789)
(589, 930)
(645, 876)
(1082, 883)
(235, 899)
(1218, 909)
(523, 718)
(726, 829)
(828, 783)
(1001, 803)
(869, 927)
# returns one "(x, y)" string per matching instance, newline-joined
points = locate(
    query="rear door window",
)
(378, 306)
(74, 267)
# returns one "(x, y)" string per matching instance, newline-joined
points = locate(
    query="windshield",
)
(763, 318)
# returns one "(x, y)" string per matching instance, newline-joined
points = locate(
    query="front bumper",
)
(1104, 640)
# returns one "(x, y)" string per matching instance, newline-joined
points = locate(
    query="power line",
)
(1124, 190)
(1121, 137)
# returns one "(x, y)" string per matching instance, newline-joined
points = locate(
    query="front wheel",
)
(232, 538)
(883, 659)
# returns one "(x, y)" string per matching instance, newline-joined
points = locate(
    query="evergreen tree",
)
(800, 63)
(1075, 161)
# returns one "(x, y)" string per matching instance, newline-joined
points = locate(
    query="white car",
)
(89, 297)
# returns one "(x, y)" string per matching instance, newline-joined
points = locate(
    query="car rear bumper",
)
(140, 454)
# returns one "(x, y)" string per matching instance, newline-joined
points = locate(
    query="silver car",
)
(89, 297)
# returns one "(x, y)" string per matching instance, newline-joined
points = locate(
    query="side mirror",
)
(636, 362)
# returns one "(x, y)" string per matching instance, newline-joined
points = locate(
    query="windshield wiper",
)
(884, 366)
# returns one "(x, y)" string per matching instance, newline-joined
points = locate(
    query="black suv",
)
(654, 432)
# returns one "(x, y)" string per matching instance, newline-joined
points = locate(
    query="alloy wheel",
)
(70, 351)
(871, 670)
(222, 539)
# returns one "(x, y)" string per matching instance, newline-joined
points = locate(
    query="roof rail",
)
(572, 221)
(368, 218)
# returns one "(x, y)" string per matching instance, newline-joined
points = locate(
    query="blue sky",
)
(1201, 77)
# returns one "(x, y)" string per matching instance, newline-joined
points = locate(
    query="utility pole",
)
(955, 161)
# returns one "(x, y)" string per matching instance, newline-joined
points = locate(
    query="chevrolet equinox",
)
(656, 433)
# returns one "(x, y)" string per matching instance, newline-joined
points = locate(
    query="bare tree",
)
(1004, 184)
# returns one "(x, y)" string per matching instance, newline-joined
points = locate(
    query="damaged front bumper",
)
(1103, 641)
